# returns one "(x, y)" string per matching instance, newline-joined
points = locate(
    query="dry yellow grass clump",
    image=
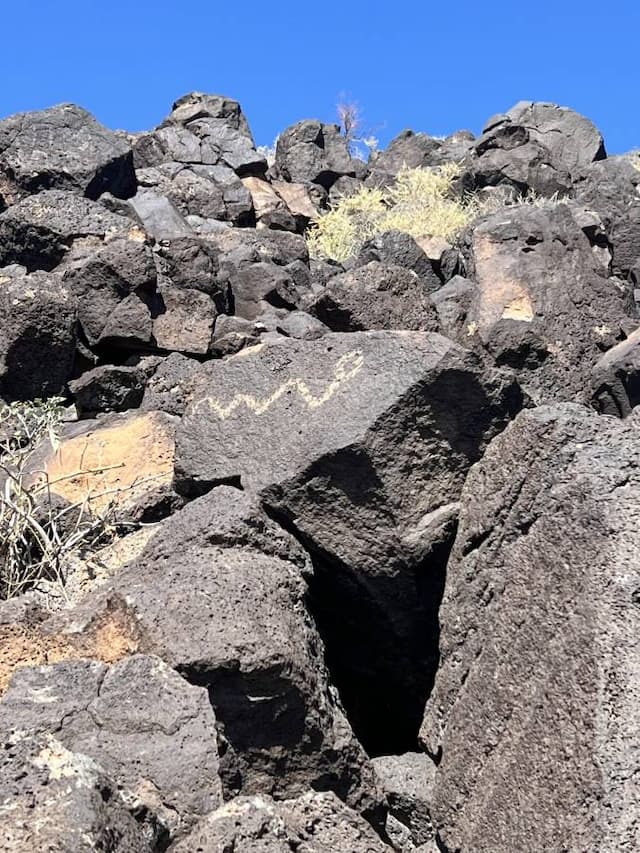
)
(419, 202)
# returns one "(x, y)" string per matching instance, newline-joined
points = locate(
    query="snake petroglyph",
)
(345, 369)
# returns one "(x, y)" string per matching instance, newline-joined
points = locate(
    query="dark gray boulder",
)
(153, 733)
(114, 283)
(314, 822)
(610, 188)
(37, 334)
(63, 148)
(38, 231)
(377, 295)
(408, 781)
(108, 388)
(252, 285)
(400, 249)
(159, 217)
(452, 302)
(359, 442)
(220, 594)
(213, 192)
(537, 146)
(202, 129)
(168, 389)
(543, 303)
(60, 801)
(615, 379)
(533, 717)
(312, 152)
(417, 150)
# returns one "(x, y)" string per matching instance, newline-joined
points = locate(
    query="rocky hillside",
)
(307, 555)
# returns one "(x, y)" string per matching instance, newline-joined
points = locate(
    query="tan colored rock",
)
(297, 199)
(116, 460)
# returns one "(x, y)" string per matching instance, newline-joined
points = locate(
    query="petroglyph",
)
(347, 366)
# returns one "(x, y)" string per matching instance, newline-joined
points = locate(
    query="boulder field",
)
(368, 575)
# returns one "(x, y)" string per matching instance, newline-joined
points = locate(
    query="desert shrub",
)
(39, 533)
(420, 202)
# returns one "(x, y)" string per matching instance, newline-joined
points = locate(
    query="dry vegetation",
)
(421, 202)
(39, 533)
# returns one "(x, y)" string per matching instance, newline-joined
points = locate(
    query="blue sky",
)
(432, 66)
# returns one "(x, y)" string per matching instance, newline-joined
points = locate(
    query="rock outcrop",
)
(307, 554)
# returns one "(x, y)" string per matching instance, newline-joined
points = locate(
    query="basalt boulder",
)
(543, 303)
(533, 718)
(62, 148)
(536, 146)
(58, 800)
(202, 129)
(128, 718)
(314, 822)
(37, 334)
(220, 595)
(360, 443)
(312, 152)
(376, 295)
(610, 187)
(39, 230)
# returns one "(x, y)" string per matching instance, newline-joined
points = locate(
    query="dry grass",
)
(39, 533)
(421, 202)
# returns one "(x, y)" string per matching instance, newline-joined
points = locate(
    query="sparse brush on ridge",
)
(39, 534)
(419, 202)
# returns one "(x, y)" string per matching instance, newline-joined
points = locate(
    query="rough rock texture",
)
(543, 304)
(533, 717)
(400, 249)
(313, 822)
(312, 152)
(37, 231)
(285, 463)
(616, 378)
(536, 146)
(129, 718)
(408, 783)
(62, 148)
(37, 334)
(327, 433)
(610, 187)
(417, 150)
(220, 596)
(123, 460)
(56, 800)
(107, 389)
(376, 296)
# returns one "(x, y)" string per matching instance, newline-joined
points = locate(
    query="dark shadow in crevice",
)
(381, 648)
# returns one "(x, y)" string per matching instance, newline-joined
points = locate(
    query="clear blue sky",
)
(432, 66)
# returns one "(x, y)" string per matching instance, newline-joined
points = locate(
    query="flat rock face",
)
(534, 711)
(63, 148)
(351, 437)
(313, 822)
(126, 459)
(129, 718)
(57, 800)
(543, 303)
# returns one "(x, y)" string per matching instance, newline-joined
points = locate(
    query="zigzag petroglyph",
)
(347, 366)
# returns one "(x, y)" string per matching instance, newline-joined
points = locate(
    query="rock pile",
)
(376, 580)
